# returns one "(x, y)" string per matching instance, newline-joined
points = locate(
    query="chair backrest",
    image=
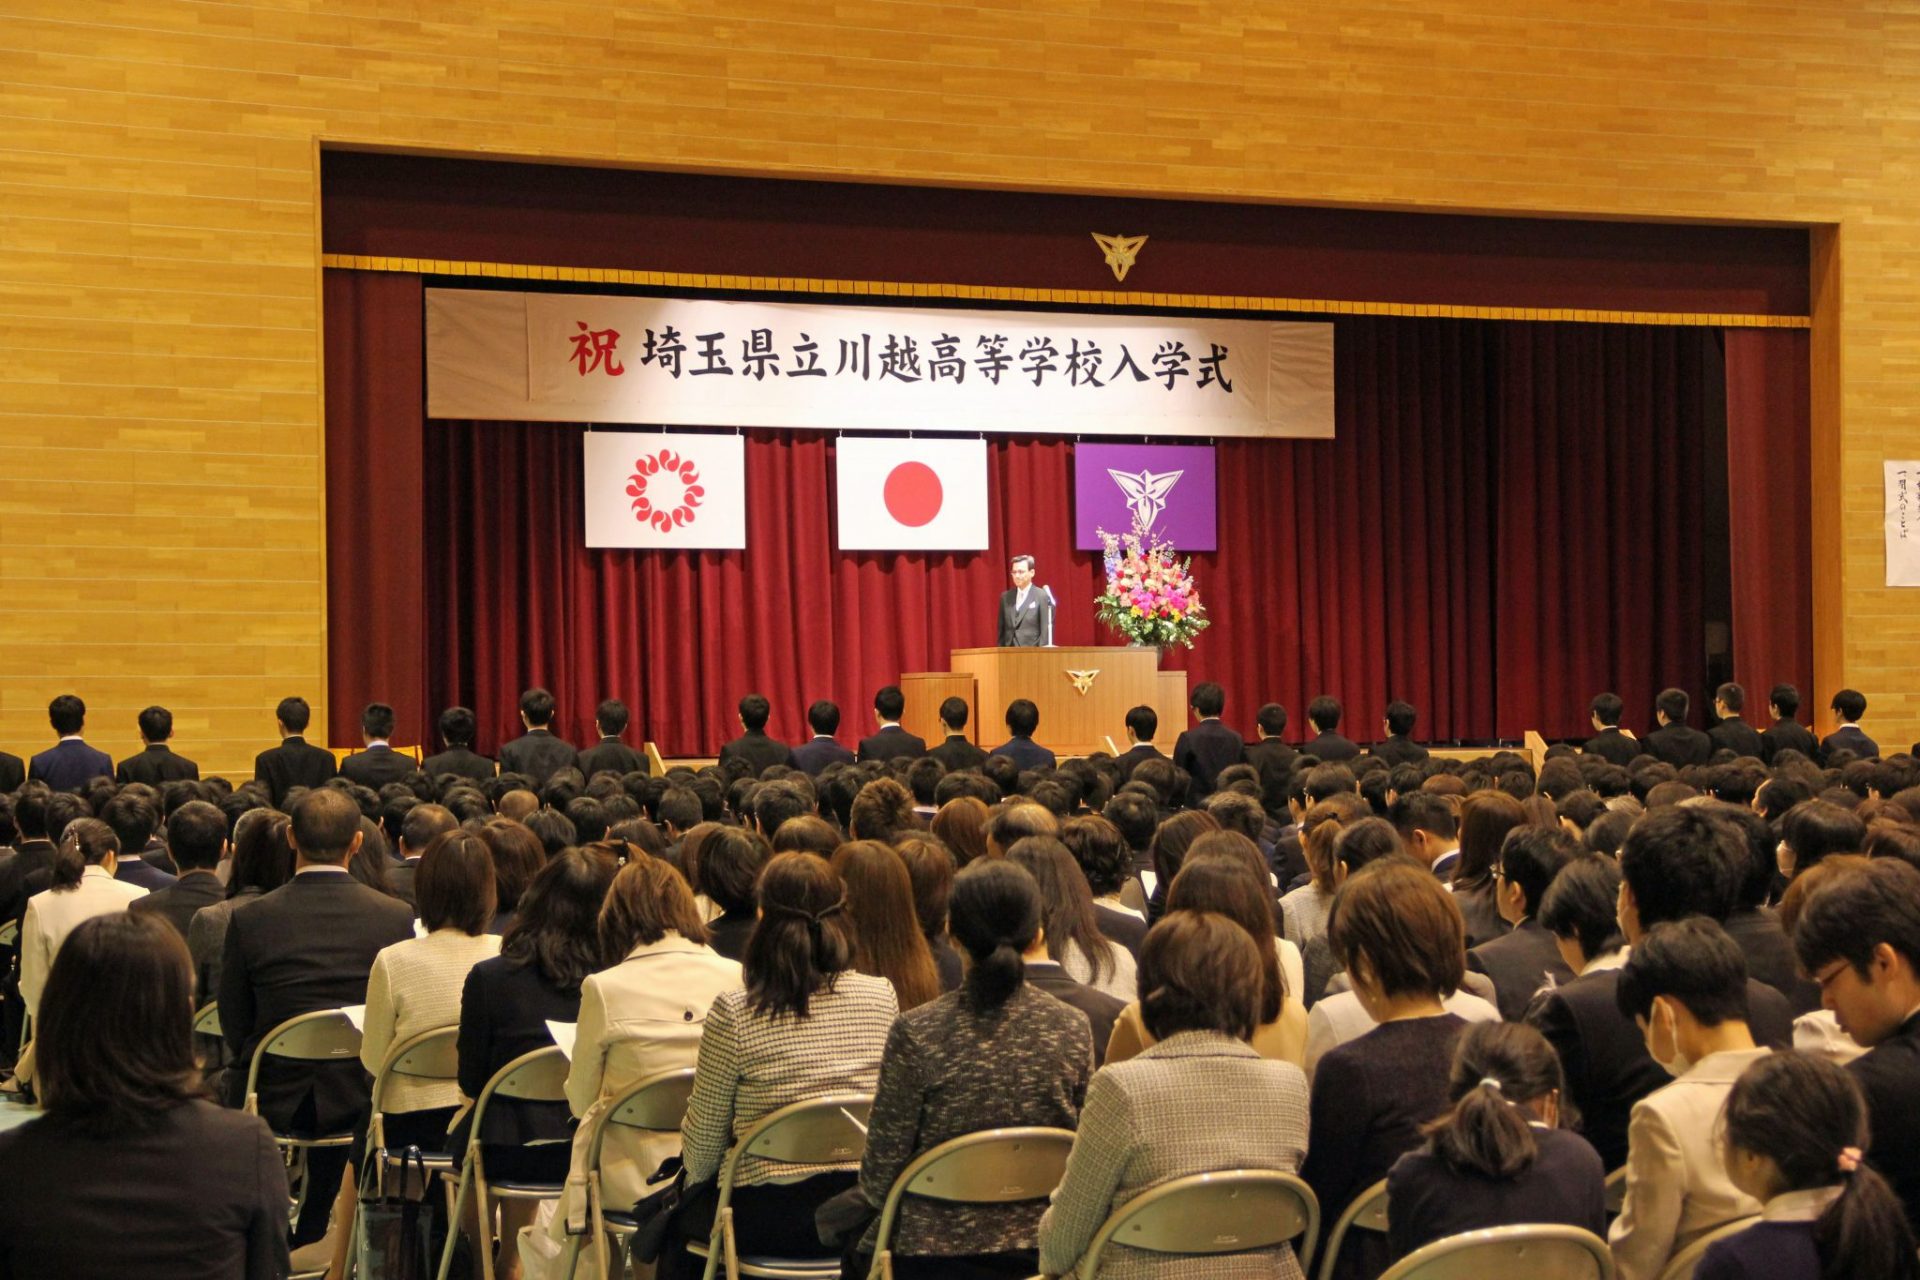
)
(1365, 1212)
(657, 1103)
(1536, 1252)
(994, 1166)
(539, 1076)
(324, 1035)
(1227, 1211)
(829, 1130)
(207, 1021)
(1681, 1265)
(430, 1055)
(10, 933)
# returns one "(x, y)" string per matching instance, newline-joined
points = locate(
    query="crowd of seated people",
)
(1688, 959)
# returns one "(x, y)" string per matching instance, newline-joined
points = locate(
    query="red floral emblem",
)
(665, 489)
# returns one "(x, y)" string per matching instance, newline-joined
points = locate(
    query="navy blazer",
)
(814, 755)
(1026, 753)
(1203, 751)
(892, 742)
(1848, 738)
(69, 764)
(1331, 747)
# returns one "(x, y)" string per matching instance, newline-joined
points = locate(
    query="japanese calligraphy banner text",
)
(698, 362)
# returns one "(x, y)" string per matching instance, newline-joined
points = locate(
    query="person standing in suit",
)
(1609, 741)
(754, 748)
(1207, 748)
(1271, 755)
(890, 741)
(457, 728)
(821, 750)
(1848, 704)
(1732, 733)
(1332, 747)
(156, 764)
(611, 754)
(1675, 741)
(13, 772)
(376, 764)
(306, 946)
(537, 753)
(1143, 722)
(1022, 719)
(1786, 733)
(1399, 748)
(956, 752)
(70, 762)
(197, 839)
(1525, 959)
(294, 763)
(1026, 611)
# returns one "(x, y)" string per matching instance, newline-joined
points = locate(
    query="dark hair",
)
(1606, 708)
(1022, 717)
(423, 822)
(196, 833)
(133, 820)
(555, 927)
(1692, 961)
(1848, 918)
(1532, 856)
(1674, 704)
(890, 702)
(1324, 713)
(1209, 699)
(1365, 841)
(1683, 860)
(1021, 559)
(961, 825)
(923, 778)
(377, 720)
(294, 713)
(113, 1040)
(1144, 721)
(325, 822)
(66, 714)
(1809, 1118)
(1172, 839)
(1887, 838)
(754, 710)
(1199, 972)
(953, 713)
(589, 819)
(1237, 812)
(1324, 780)
(86, 842)
(1849, 704)
(1101, 852)
(1815, 828)
(1423, 811)
(1066, 904)
(537, 706)
(808, 833)
(1497, 1069)
(803, 940)
(518, 856)
(880, 811)
(1731, 696)
(1398, 923)
(457, 727)
(1134, 816)
(454, 883)
(930, 870)
(680, 808)
(1400, 718)
(729, 865)
(262, 858)
(1222, 883)
(647, 899)
(156, 724)
(1271, 719)
(1786, 698)
(1581, 904)
(824, 717)
(994, 914)
(610, 717)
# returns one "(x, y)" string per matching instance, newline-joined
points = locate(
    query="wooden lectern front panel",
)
(1083, 693)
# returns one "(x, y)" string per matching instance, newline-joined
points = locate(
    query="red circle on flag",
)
(913, 494)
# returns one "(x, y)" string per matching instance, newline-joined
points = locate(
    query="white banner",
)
(1903, 524)
(665, 490)
(898, 494)
(557, 357)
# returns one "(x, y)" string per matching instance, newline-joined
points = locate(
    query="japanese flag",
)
(911, 495)
(665, 490)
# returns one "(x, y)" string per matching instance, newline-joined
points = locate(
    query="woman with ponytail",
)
(1500, 1155)
(81, 887)
(1795, 1129)
(997, 1053)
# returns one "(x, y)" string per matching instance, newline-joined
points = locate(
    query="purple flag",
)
(1170, 487)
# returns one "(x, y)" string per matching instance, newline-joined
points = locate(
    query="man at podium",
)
(1026, 611)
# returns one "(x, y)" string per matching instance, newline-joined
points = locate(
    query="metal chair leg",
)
(453, 1218)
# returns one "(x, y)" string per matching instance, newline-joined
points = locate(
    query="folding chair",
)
(207, 1021)
(830, 1130)
(1366, 1212)
(430, 1055)
(1681, 1266)
(994, 1166)
(325, 1035)
(540, 1076)
(1536, 1252)
(655, 1104)
(1228, 1211)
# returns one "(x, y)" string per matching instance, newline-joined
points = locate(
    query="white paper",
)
(563, 1034)
(357, 1015)
(1903, 524)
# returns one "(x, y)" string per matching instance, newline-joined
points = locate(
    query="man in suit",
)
(417, 830)
(537, 754)
(1675, 741)
(457, 729)
(754, 748)
(197, 839)
(1332, 747)
(890, 741)
(821, 750)
(294, 763)
(1526, 958)
(1849, 705)
(1050, 976)
(1022, 719)
(956, 752)
(1273, 758)
(134, 821)
(377, 763)
(1143, 722)
(70, 762)
(1026, 611)
(1786, 733)
(1732, 733)
(611, 753)
(1399, 747)
(1207, 748)
(1609, 741)
(20, 876)
(1431, 829)
(157, 764)
(306, 946)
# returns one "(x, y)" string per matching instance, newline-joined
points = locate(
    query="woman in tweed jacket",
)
(1199, 1100)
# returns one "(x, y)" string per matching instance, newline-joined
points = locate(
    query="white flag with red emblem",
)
(665, 490)
(900, 494)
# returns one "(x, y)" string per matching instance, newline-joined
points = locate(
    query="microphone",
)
(1052, 604)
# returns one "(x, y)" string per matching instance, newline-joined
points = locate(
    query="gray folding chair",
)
(430, 1055)
(1681, 1265)
(540, 1076)
(1535, 1252)
(830, 1130)
(207, 1021)
(994, 1166)
(325, 1035)
(1227, 1211)
(1365, 1212)
(655, 1104)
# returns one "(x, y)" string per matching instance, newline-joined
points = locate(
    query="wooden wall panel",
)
(159, 290)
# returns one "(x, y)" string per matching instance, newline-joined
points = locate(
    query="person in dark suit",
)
(1399, 748)
(197, 838)
(1525, 959)
(1849, 705)
(537, 753)
(1207, 748)
(754, 748)
(1609, 741)
(1786, 733)
(1675, 741)
(70, 762)
(1273, 758)
(377, 764)
(1754, 928)
(611, 754)
(134, 821)
(890, 741)
(821, 750)
(1323, 713)
(1048, 975)
(1732, 733)
(13, 772)
(955, 752)
(309, 945)
(1143, 722)
(457, 729)
(417, 830)
(1022, 719)
(1026, 611)
(294, 763)
(156, 764)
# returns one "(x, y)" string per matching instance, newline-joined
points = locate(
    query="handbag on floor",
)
(395, 1240)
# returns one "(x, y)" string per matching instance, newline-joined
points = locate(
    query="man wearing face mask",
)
(1685, 987)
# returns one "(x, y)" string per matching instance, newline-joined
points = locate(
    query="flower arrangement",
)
(1151, 597)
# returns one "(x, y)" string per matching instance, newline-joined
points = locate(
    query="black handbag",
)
(654, 1212)
(395, 1238)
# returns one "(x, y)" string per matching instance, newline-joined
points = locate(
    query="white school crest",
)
(1146, 492)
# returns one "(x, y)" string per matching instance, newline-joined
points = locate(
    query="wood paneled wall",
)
(160, 519)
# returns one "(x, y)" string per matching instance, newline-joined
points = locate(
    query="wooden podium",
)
(1073, 721)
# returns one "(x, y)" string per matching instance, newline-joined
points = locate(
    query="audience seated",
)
(81, 885)
(197, 839)
(1525, 959)
(134, 822)
(1485, 819)
(418, 829)
(1069, 924)
(930, 870)
(517, 858)
(729, 864)
(887, 942)
(1104, 858)
(1353, 846)
(262, 862)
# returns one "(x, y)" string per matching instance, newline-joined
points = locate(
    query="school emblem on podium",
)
(1082, 680)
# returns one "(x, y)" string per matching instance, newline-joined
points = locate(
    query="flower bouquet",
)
(1151, 597)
